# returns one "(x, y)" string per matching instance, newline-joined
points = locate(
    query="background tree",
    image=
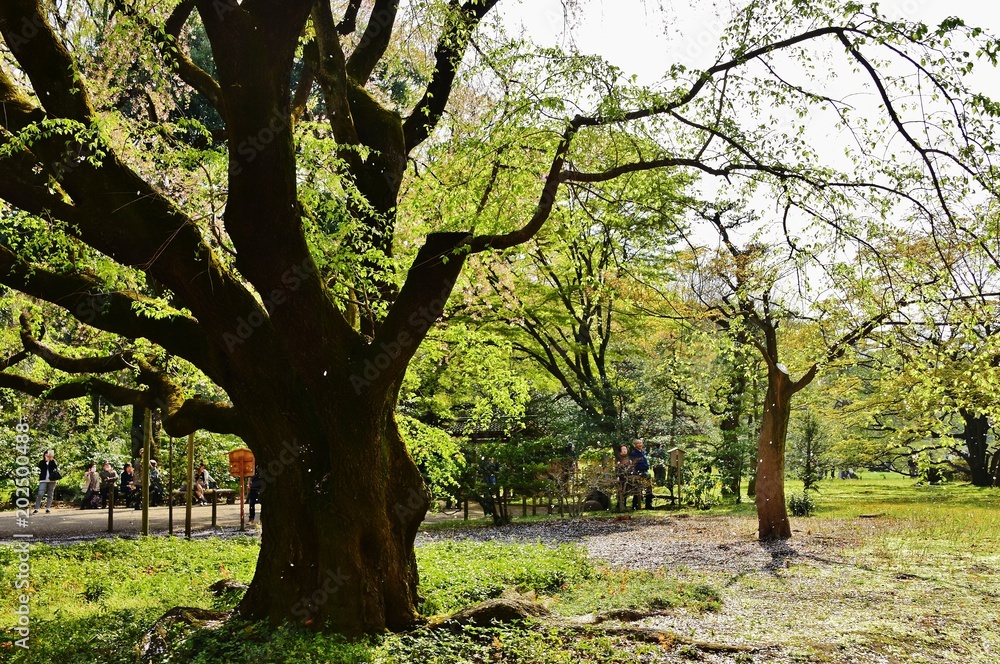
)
(931, 376)
(559, 298)
(807, 452)
(743, 290)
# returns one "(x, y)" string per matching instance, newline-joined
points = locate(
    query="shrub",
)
(801, 504)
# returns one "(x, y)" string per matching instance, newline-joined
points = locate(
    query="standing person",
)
(48, 475)
(155, 484)
(256, 486)
(108, 479)
(623, 469)
(640, 475)
(128, 485)
(92, 486)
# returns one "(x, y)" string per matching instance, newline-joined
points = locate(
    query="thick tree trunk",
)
(340, 519)
(976, 440)
(342, 498)
(770, 487)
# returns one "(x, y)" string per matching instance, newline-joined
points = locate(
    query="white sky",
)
(645, 37)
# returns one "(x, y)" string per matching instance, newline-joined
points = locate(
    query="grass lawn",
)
(884, 572)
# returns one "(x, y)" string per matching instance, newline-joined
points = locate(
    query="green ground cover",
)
(885, 571)
(95, 600)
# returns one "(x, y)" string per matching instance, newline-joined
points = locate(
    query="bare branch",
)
(52, 70)
(373, 42)
(350, 21)
(331, 71)
(167, 41)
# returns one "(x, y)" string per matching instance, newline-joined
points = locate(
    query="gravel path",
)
(674, 542)
(726, 544)
(803, 600)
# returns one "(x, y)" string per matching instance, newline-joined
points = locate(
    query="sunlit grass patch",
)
(642, 590)
(93, 601)
(456, 574)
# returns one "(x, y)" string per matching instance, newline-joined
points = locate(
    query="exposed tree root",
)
(595, 624)
(506, 610)
(153, 646)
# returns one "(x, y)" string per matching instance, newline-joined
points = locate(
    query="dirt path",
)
(67, 524)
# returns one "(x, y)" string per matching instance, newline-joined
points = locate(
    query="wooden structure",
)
(241, 465)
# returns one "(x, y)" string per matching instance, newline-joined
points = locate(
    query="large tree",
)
(311, 351)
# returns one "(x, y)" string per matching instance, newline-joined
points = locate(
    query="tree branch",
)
(350, 22)
(168, 42)
(545, 202)
(13, 359)
(420, 302)
(106, 364)
(310, 63)
(448, 55)
(179, 418)
(45, 60)
(373, 42)
(91, 302)
(331, 71)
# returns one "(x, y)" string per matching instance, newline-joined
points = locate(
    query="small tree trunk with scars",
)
(770, 487)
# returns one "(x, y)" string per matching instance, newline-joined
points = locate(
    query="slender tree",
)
(741, 289)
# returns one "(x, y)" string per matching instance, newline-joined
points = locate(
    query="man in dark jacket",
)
(48, 475)
(640, 470)
(108, 480)
(256, 486)
(128, 488)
